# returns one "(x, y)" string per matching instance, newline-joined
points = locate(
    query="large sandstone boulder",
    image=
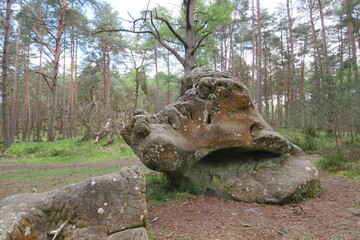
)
(108, 207)
(213, 136)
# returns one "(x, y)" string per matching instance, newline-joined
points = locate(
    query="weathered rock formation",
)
(108, 207)
(213, 136)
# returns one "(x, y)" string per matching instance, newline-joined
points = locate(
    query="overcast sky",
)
(135, 6)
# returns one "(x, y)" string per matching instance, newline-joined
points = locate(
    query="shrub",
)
(346, 162)
(310, 130)
(307, 191)
(160, 190)
(32, 150)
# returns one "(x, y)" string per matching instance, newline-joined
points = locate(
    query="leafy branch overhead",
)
(197, 21)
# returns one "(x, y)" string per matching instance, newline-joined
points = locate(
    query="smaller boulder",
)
(97, 208)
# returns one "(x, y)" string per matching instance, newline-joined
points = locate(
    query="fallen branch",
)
(57, 231)
(110, 129)
(109, 141)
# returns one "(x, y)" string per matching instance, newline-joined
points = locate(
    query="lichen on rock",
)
(214, 137)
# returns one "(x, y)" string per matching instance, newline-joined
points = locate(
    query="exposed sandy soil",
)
(207, 217)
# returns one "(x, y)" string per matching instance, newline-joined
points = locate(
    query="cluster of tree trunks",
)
(300, 73)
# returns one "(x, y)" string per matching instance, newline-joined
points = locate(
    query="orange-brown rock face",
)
(213, 136)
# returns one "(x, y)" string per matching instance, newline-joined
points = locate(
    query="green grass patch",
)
(45, 179)
(65, 151)
(160, 191)
(345, 163)
(307, 191)
(31, 174)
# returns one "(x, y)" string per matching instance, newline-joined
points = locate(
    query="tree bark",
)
(292, 77)
(106, 78)
(351, 33)
(64, 123)
(253, 42)
(190, 42)
(56, 61)
(5, 65)
(259, 59)
(266, 90)
(75, 112)
(38, 108)
(232, 50)
(72, 124)
(14, 110)
(157, 84)
(278, 99)
(26, 106)
(323, 34)
(317, 56)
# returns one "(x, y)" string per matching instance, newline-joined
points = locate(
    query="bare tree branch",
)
(46, 77)
(200, 41)
(172, 30)
(39, 40)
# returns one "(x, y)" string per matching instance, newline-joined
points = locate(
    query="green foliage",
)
(346, 162)
(310, 130)
(305, 138)
(307, 191)
(160, 190)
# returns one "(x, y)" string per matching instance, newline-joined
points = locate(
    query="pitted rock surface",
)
(97, 208)
(213, 136)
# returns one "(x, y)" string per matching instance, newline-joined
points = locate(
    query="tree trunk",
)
(137, 84)
(318, 65)
(351, 33)
(14, 111)
(302, 86)
(5, 65)
(259, 58)
(53, 89)
(266, 90)
(252, 87)
(189, 43)
(26, 106)
(292, 77)
(271, 84)
(74, 114)
(157, 84)
(323, 34)
(278, 98)
(189, 6)
(232, 51)
(107, 78)
(168, 94)
(38, 108)
(286, 106)
(72, 88)
(64, 123)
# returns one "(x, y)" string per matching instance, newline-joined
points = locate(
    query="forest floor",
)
(334, 214)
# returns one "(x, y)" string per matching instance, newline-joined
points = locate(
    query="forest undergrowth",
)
(339, 156)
